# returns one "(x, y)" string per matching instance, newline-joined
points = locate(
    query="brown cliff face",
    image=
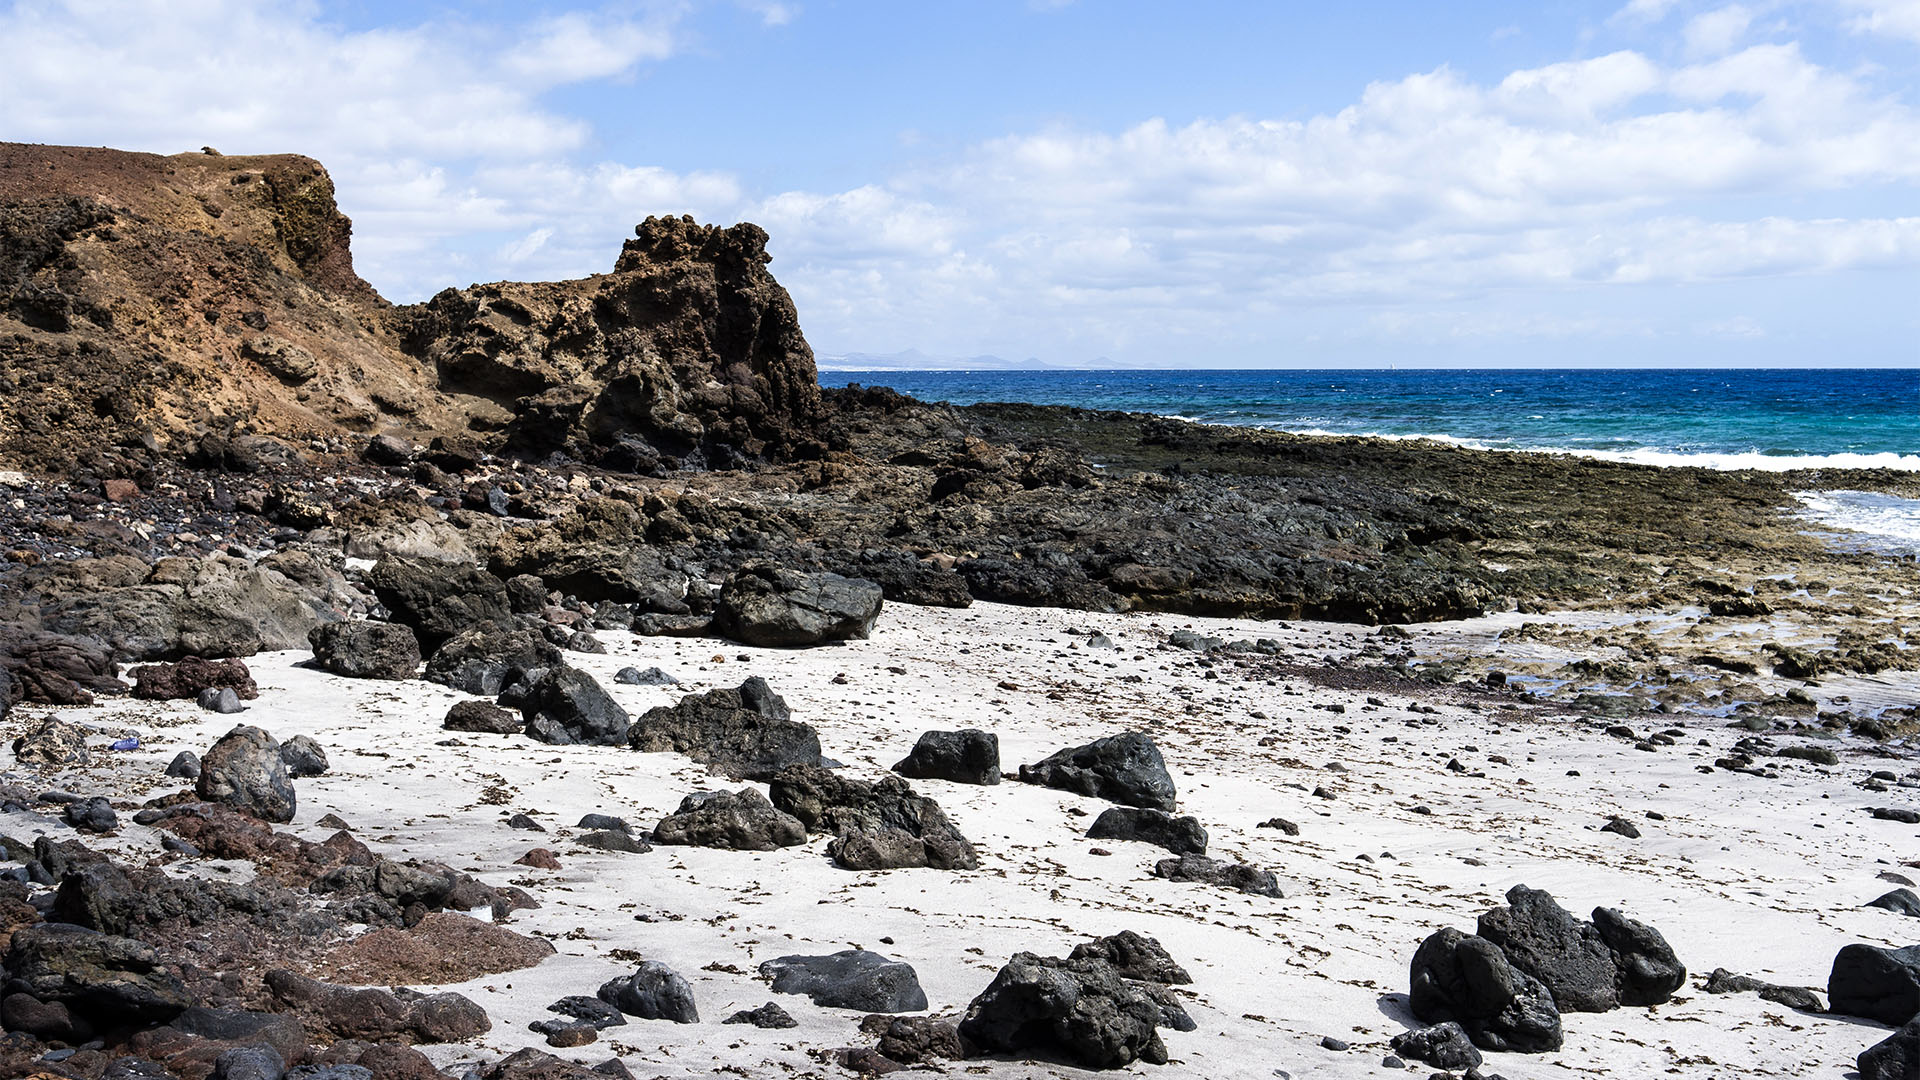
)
(149, 300)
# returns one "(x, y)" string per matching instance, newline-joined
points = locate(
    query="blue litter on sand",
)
(131, 742)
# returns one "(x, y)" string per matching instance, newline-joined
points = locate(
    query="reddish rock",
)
(539, 858)
(121, 490)
(167, 682)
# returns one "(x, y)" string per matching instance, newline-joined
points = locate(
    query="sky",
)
(1205, 184)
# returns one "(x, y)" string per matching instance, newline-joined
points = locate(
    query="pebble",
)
(1332, 1043)
(220, 699)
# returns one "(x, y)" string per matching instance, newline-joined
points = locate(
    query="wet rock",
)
(746, 733)
(653, 992)
(742, 820)
(773, 607)
(1899, 901)
(366, 650)
(439, 600)
(1566, 955)
(92, 815)
(303, 757)
(220, 699)
(1896, 1057)
(1226, 875)
(337, 1012)
(565, 705)
(1125, 769)
(1646, 970)
(876, 826)
(653, 676)
(55, 743)
(1466, 978)
(483, 717)
(482, 659)
(968, 756)
(192, 677)
(1079, 1010)
(1182, 836)
(244, 770)
(850, 979)
(1877, 983)
(1443, 1046)
(101, 981)
(184, 766)
(770, 1015)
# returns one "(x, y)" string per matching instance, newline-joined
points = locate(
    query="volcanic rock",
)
(1466, 978)
(653, 992)
(876, 826)
(850, 979)
(770, 606)
(1125, 769)
(366, 650)
(1182, 836)
(244, 770)
(746, 733)
(969, 756)
(742, 820)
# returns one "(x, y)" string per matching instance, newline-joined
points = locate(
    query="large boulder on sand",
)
(1879, 984)
(746, 733)
(742, 820)
(439, 599)
(1896, 1057)
(653, 992)
(481, 659)
(1125, 769)
(775, 607)
(366, 650)
(1182, 836)
(968, 756)
(566, 705)
(881, 825)
(850, 979)
(1080, 1010)
(244, 770)
(1466, 978)
(1567, 955)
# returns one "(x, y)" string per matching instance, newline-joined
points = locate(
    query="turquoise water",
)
(1769, 419)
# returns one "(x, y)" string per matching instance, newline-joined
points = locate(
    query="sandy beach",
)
(1765, 877)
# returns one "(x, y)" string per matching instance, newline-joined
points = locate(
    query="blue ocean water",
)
(1728, 419)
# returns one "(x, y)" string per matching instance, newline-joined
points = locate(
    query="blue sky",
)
(1656, 182)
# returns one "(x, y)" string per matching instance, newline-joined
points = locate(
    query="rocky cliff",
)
(147, 302)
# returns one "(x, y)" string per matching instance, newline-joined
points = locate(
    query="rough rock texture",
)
(1646, 970)
(565, 705)
(876, 826)
(1080, 1010)
(441, 948)
(1225, 874)
(438, 599)
(688, 349)
(1466, 978)
(1896, 1057)
(303, 757)
(481, 659)
(770, 1015)
(742, 820)
(1879, 984)
(338, 1012)
(98, 980)
(1443, 1046)
(213, 607)
(653, 992)
(1182, 836)
(1125, 768)
(55, 743)
(366, 650)
(188, 678)
(968, 756)
(52, 669)
(483, 716)
(850, 979)
(769, 606)
(746, 733)
(1567, 955)
(244, 770)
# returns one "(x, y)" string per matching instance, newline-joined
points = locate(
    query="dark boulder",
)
(249, 1063)
(184, 766)
(770, 1015)
(1081, 1011)
(1182, 836)
(1466, 978)
(190, 677)
(53, 669)
(1125, 769)
(1899, 901)
(565, 705)
(653, 992)
(338, 1012)
(774, 607)
(244, 771)
(903, 577)
(968, 756)
(1565, 954)
(303, 757)
(483, 659)
(746, 733)
(438, 599)
(92, 815)
(1896, 1057)
(741, 820)
(850, 979)
(1134, 956)
(483, 717)
(1443, 1046)
(876, 825)
(100, 981)
(1646, 972)
(1226, 875)
(366, 650)
(1879, 984)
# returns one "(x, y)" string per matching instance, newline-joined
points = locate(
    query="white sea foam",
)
(1877, 521)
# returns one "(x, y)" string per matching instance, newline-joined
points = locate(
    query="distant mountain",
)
(915, 360)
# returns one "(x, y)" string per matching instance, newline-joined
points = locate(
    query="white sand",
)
(1764, 877)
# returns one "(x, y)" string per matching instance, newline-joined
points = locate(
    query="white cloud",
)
(1893, 18)
(1717, 32)
(575, 47)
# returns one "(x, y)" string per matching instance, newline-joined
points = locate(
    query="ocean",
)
(1771, 419)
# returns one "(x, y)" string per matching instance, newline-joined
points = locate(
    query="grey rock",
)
(566, 706)
(244, 771)
(1182, 836)
(770, 1015)
(850, 979)
(99, 978)
(366, 650)
(220, 699)
(482, 717)
(484, 659)
(184, 766)
(437, 599)
(1134, 956)
(1646, 970)
(653, 992)
(1125, 769)
(613, 840)
(1879, 984)
(1565, 954)
(589, 1010)
(875, 826)
(968, 756)
(741, 820)
(329, 1072)
(771, 606)
(745, 733)
(55, 742)
(1226, 875)
(92, 815)
(249, 1063)
(303, 757)
(1079, 1010)
(1896, 1057)
(1443, 1046)
(1466, 978)
(1899, 901)
(604, 821)
(653, 676)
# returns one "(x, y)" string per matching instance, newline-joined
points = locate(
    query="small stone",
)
(184, 766)
(770, 1015)
(539, 858)
(1334, 1044)
(653, 676)
(92, 815)
(1623, 827)
(525, 823)
(220, 699)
